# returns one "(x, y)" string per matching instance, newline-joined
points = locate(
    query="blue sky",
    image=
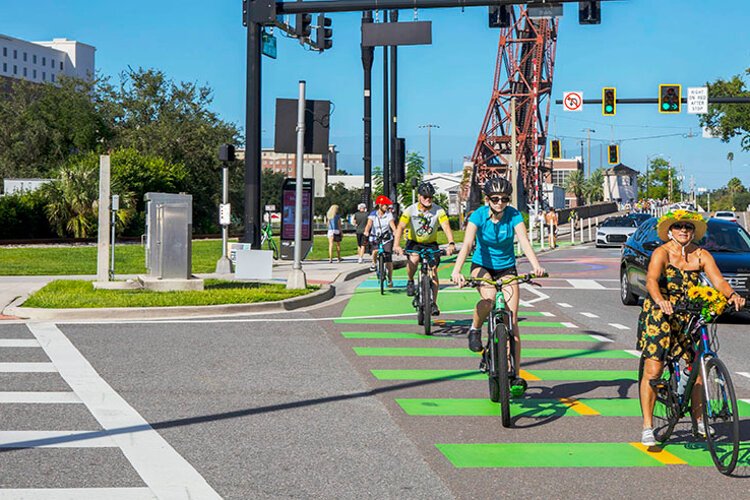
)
(639, 44)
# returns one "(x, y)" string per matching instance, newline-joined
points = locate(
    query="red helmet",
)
(383, 200)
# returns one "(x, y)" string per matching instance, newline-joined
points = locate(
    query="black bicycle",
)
(381, 270)
(498, 359)
(720, 425)
(424, 295)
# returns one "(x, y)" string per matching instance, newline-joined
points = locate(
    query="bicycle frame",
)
(698, 366)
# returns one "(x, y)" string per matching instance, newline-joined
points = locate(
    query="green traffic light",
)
(665, 106)
(608, 108)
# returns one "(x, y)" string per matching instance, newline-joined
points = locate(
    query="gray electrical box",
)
(169, 228)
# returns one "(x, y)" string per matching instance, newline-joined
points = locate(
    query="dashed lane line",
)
(164, 471)
(55, 439)
(619, 326)
(77, 493)
(563, 304)
(19, 343)
(27, 368)
(589, 315)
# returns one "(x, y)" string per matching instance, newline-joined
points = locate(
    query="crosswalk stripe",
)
(601, 338)
(619, 326)
(586, 284)
(39, 397)
(77, 493)
(589, 315)
(563, 304)
(27, 368)
(19, 343)
(659, 454)
(463, 352)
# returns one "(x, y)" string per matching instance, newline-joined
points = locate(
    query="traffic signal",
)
(609, 101)
(670, 98)
(500, 16)
(555, 147)
(399, 161)
(613, 154)
(589, 13)
(324, 33)
(302, 26)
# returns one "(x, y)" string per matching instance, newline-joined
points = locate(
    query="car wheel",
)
(626, 295)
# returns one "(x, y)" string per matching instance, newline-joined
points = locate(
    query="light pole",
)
(588, 158)
(429, 128)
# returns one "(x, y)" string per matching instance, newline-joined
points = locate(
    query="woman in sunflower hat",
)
(674, 268)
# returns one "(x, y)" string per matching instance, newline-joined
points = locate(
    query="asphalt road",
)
(343, 401)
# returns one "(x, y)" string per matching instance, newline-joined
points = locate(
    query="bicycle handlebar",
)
(522, 278)
(427, 251)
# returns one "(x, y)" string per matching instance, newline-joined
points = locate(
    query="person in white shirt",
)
(380, 225)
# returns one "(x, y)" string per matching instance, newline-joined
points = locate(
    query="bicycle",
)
(424, 295)
(381, 269)
(266, 236)
(720, 414)
(498, 359)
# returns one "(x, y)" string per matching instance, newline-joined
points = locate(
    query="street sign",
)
(697, 100)
(268, 44)
(573, 101)
(270, 208)
(225, 214)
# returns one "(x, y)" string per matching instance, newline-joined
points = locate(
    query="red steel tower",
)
(525, 63)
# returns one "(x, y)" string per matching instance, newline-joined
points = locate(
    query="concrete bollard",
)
(572, 232)
(589, 221)
(581, 229)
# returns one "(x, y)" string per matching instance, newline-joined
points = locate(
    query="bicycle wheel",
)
(720, 414)
(426, 293)
(381, 272)
(503, 370)
(417, 303)
(272, 246)
(667, 405)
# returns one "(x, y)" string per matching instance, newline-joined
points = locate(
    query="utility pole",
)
(368, 54)
(429, 128)
(588, 159)
(386, 120)
(394, 109)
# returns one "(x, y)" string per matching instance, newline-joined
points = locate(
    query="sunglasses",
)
(687, 227)
(498, 199)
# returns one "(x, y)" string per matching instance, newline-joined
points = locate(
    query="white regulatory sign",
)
(225, 214)
(573, 101)
(697, 100)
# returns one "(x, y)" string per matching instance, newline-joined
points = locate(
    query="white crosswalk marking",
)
(601, 338)
(55, 439)
(563, 304)
(589, 315)
(568, 325)
(39, 397)
(635, 353)
(619, 326)
(744, 374)
(19, 343)
(27, 368)
(78, 494)
(586, 284)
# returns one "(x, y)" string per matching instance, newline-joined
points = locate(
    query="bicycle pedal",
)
(659, 383)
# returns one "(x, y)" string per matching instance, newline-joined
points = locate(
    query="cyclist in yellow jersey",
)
(422, 220)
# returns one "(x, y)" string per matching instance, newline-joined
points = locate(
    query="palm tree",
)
(730, 158)
(574, 183)
(72, 201)
(594, 186)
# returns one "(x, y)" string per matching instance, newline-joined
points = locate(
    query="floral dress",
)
(659, 334)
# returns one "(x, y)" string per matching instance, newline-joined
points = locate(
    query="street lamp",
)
(429, 128)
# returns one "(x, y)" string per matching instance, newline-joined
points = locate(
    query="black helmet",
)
(497, 185)
(426, 189)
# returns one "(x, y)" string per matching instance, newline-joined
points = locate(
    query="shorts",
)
(415, 246)
(361, 239)
(335, 234)
(495, 274)
(387, 250)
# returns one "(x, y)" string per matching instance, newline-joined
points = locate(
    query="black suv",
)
(727, 241)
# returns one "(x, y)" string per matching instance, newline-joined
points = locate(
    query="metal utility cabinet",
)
(169, 228)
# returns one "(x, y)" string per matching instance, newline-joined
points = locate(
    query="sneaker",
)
(518, 387)
(410, 288)
(647, 437)
(435, 310)
(390, 284)
(475, 339)
(702, 429)
(372, 267)
(359, 260)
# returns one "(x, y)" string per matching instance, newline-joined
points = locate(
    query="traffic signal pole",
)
(252, 136)
(368, 54)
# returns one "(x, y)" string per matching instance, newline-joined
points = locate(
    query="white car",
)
(725, 215)
(615, 231)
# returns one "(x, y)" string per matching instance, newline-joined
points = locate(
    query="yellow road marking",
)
(659, 454)
(527, 376)
(578, 407)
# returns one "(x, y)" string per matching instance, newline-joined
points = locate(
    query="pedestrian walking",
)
(334, 232)
(551, 220)
(360, 220)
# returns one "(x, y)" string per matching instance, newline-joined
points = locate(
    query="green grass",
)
(130, 259)
(62, 294)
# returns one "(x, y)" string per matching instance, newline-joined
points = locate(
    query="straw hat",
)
(668, 219)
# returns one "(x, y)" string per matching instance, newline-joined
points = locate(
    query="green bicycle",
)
(266, 236)
(498, 360)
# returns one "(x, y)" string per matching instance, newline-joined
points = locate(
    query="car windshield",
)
(619, 222)
(726, 238)
(724, 214)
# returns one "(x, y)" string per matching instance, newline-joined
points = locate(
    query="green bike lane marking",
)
(570, 455)
(527, 337)
(463, 352)
(531, 407)
(375, 320)
(543, 375)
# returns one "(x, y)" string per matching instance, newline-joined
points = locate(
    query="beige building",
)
(286, 163)
(561, 170)
(621, 184)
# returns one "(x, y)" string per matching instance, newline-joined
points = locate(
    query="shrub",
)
(22, 216)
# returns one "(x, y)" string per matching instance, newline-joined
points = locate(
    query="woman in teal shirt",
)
(493, 227)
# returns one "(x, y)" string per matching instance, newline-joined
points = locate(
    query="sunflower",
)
(664, 342)
(710, 294)
(670, 273)
(694, 293)
(658, 315)
(665, 327)
(652, 348)
(652, 330)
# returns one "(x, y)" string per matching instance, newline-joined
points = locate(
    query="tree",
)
(574, 183)
(338, 194)
(414, 170)
(377, 182)
(729, 120)
(593, 187)
(72, 200)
